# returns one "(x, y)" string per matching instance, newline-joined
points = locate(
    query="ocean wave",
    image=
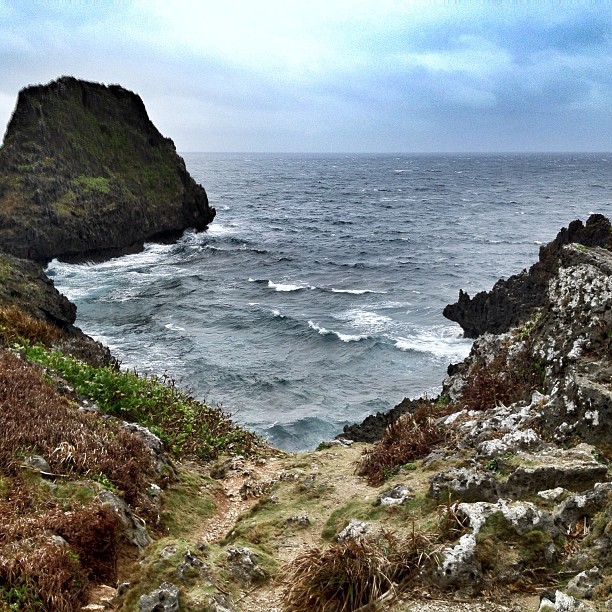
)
(356, 291)
(442, 342)
(322, 331)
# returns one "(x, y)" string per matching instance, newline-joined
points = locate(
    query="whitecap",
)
(288, 286)
(344, 337)
(173, 327)
(356, 291)
(441, 341)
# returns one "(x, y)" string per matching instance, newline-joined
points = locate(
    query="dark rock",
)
(373, 427)
(513, 300)
(84, 174)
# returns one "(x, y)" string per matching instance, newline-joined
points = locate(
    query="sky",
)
(333, 75)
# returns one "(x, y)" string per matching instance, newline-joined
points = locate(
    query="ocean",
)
(315, 297)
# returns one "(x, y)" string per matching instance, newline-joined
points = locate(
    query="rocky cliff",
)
(512, 300)
(496, 496)
(85, 174)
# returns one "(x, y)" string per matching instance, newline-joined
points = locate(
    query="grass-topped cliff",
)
(84, 173)
(119, 491)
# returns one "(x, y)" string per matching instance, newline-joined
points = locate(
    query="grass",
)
(352, 574)
(411, 437)
(189, 428)
(92, 183)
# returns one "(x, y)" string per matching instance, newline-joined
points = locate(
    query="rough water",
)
(315, 298)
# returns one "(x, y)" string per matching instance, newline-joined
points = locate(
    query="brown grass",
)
(504, 380)
(36, 419)
(16, 325)
(353, 574)
(410, 437)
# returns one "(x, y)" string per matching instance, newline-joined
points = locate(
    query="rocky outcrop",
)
(85, 174)
(513, 300)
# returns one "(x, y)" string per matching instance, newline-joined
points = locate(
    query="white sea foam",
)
(173, 327)
(287, 286)
(356, 291)
(366, 320)
(443, 342)
(344, 337)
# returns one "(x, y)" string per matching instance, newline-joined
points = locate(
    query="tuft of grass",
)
(410, 437)
(16, 325)
(352, 574)
(509, 377)
(190, 428)
(93, 183)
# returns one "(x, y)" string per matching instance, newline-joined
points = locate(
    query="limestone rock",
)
(135, 528)
(355, 529)
(395, 496)
(242, 562)
(163, 599)
(512, 300)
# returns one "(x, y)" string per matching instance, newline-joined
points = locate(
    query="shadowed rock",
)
(85, 174)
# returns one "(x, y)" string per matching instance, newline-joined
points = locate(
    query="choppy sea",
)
(315, 297)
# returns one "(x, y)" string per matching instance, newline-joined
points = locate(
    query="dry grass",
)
(410, 437)
(35, 419)
(353, 574)
(37, 569)
(506, 379)
(15, 325)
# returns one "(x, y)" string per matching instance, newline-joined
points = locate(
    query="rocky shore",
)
(120, 491)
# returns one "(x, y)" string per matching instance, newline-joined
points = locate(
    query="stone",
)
(242, 562)
(560, 602)
(582, 584)
(355, 529)
(135, 528)
(38, 463)
(395, 496)
(464, 484)
(163, 599)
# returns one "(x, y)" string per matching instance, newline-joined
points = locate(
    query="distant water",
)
(315, 298)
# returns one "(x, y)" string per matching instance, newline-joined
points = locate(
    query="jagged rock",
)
(582, 584)
(586, 505)
(84, 173)
(464, 484)
(219, 603)
(243, 565)
(135, 529)
(38, 463)
(191, 566)
(300, 521)
(513, 300)
(163, 599)
(395, 496)
(575, 469)
(459, 565)
(560, 602)
(153, 443)
(355, 529)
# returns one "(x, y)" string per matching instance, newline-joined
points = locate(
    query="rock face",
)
(85, 174)
(512, 300)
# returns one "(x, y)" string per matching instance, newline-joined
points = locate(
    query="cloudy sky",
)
(333, 75)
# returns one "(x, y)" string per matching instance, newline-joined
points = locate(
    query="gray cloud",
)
(448, 79)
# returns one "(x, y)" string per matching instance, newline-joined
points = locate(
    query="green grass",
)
(93, 183)
(188, 427)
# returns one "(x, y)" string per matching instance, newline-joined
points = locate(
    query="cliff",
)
(85, 174)
(513, 300)
(496, 496)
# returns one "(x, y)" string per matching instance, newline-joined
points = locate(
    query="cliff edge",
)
(85, 174)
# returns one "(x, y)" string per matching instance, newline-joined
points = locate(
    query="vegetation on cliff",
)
(84, 173)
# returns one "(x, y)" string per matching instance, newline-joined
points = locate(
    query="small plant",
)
(188, 427)
(410, 437)
(353, 574)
